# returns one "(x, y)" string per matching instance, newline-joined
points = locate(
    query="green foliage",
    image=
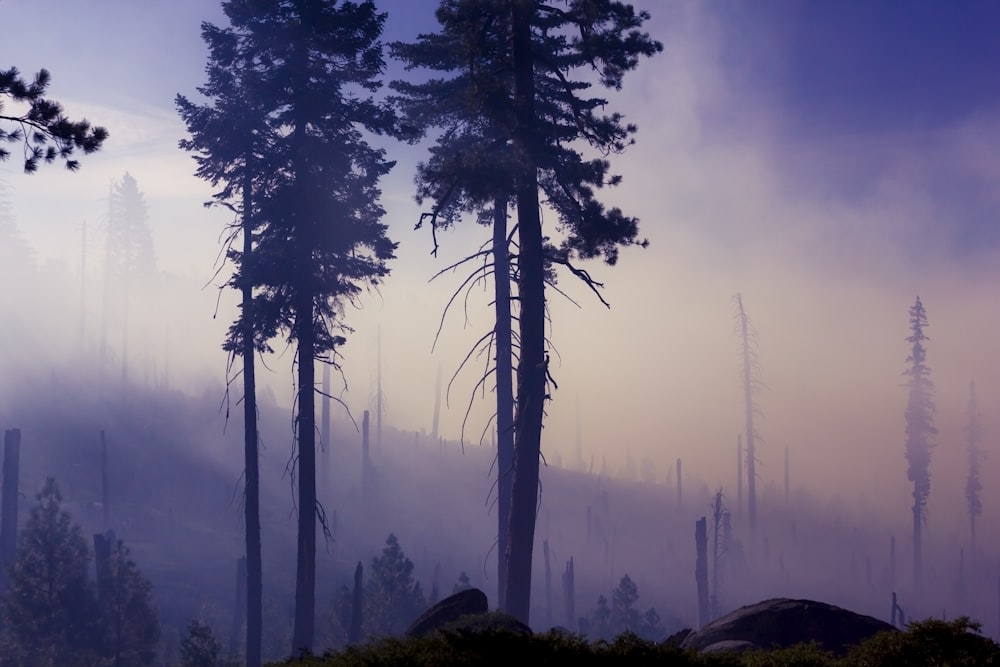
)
(53, 613)
(49, 610)
(43, 130)
(200, 648)
(956, 643)
(130, 625)
(474, 158)
(623, 617)
(392, 598)
(926, 644)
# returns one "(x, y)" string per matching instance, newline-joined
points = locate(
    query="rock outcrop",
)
(464, 603)
(785, 622)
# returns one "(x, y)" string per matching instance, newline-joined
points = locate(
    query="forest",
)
(195, 472)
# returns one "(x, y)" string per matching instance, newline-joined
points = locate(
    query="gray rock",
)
(464, 603)
(785, 622)
(729, 645)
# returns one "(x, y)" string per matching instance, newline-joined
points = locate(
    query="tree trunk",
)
(748, 399)
(8, 508)
(305, 430)
(354, 633)
(917, 560)
(505, 390)
(327, 445)
(254, 568)
(548, 583)
(739, 476)
(701, 570)
(531, 369)
(105, 506)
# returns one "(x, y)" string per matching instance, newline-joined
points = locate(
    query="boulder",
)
(464, 603)
(785, 622)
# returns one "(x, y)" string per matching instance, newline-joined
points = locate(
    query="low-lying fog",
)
(829, 229)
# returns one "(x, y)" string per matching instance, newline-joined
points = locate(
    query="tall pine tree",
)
(920, 430)
(514, 115)
(230, 142)
(311, 67)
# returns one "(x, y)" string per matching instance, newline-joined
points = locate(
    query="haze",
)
(827, 161)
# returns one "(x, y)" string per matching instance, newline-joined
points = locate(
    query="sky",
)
(829, 161)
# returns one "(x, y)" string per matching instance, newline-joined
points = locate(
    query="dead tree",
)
(701, 570)
(973, 485)
(8, 509)
(751, 385)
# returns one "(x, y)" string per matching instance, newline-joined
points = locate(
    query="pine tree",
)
(50, 612)
(43, 131)
(311, 66)
(129, 257)
(513, 113)
(920, 429)
(392, 598)
(130, 623)
(973, 485)
(229, 140)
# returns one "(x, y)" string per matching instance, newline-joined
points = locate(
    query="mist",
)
(829, 187)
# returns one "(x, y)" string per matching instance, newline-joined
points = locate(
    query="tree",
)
(129, 258)
(623, 616)
(130, 624)
(973, 486)
(513, 115)
(920, 429)
(200, 648)
(42, 130)
(309, 66)
(751, 385)
(229, 140)
(50, 611)
(393, 599)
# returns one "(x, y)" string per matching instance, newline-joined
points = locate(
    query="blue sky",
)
(828, 159)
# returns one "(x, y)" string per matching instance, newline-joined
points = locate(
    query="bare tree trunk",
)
(105, 500)
(680, 494)
(531, 368)
(437, 407)
(917, 556)
(251, 462)
(327, 445)
(505, 389)
(749, 408)
(305, 430)
(569, 594)
(892, 563)
(701, 569)
(548, 583)
(354, 633)
(739, 476)
(8, 509)
(365, 454)
(786, 476)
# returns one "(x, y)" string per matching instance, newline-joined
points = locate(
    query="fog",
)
(828, 196)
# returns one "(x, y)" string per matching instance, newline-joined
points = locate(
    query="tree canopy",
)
(42, 129)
